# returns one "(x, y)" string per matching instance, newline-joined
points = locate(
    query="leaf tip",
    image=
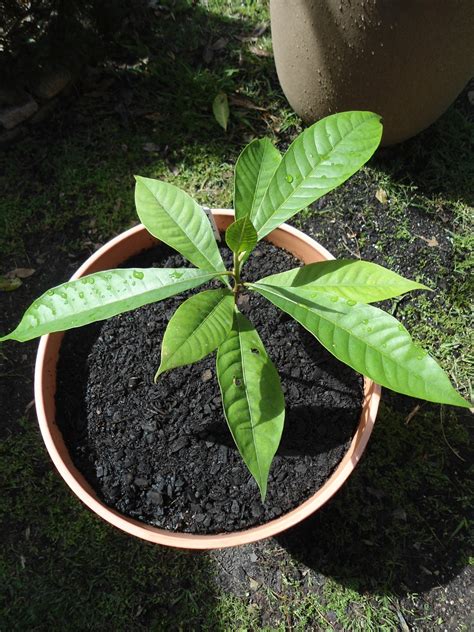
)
(158, 373)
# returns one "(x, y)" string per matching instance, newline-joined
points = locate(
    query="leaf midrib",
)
(248, 402)
(259, 177)
(275, 211)
(184, 229)
(201, 324)
(347, 331)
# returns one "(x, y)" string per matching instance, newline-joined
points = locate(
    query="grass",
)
(377, 554)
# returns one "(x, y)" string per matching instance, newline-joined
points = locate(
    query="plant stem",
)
(236, 273)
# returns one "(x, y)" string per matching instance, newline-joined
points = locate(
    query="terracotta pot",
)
(402, 59)
(109, 256)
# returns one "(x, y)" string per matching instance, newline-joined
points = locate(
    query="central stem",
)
(236, 273)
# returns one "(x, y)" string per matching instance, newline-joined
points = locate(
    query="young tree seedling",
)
(332, 299)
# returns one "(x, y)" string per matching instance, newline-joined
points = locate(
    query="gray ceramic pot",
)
(404, 59)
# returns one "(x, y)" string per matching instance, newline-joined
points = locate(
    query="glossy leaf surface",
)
(196, 328)
(241, 236)
(102, 295)
(359, 281)
(253, 400)
(254, 170)
(172, 216)
(370, 341)
(321, 158)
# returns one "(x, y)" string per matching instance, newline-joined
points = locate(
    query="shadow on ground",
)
(400, 524)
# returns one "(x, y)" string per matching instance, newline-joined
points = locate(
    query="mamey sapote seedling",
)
(331, 299)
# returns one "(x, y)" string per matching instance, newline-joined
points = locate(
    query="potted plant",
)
(335, 54)
(330, 299)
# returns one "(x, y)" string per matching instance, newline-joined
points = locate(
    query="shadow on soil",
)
(439, 159)
(400, 522)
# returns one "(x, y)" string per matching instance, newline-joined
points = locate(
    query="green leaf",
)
(102, 295)
(9, 284)
(320, 159)
(359, 281)
(220, 108)
(196, 328)
(172, 216)
(253, 401)
(370, 341)
(253, 172)
(241, 236)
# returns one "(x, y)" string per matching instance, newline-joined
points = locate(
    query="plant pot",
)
(109, 256)
(404, 60)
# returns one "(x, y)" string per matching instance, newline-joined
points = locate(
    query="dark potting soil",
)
(162, 453)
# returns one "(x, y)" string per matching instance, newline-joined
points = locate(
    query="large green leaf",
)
(369, 340)
(102, 295)
(358, 281)
(320, 159)
(197, 328)
(241, 236)
(253, 171)
(172, 216)
(253, 401)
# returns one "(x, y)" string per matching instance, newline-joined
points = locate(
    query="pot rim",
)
(45, 384)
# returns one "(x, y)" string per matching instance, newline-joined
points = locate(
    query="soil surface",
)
(162, 452)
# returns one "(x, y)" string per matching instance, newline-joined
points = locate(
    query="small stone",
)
(159, 484)
(150, 438)
(179, 444)
(116, 417)
(215, 467)
(127, 478)
(51, 82)
(235, 507)
(133, 382)
(222, 454)
(256, 509)
(206, 375)
(155, 497)
(100, 471)
(301, 468)
(254, 585)
(114, 492)
(294, 393)
(253, 557)
(296, 372)
(13, 116)
(207, 410)
(200, 517)
(141, 482)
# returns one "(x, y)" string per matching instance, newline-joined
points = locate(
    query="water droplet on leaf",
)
(289, 178)
(137, 274)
